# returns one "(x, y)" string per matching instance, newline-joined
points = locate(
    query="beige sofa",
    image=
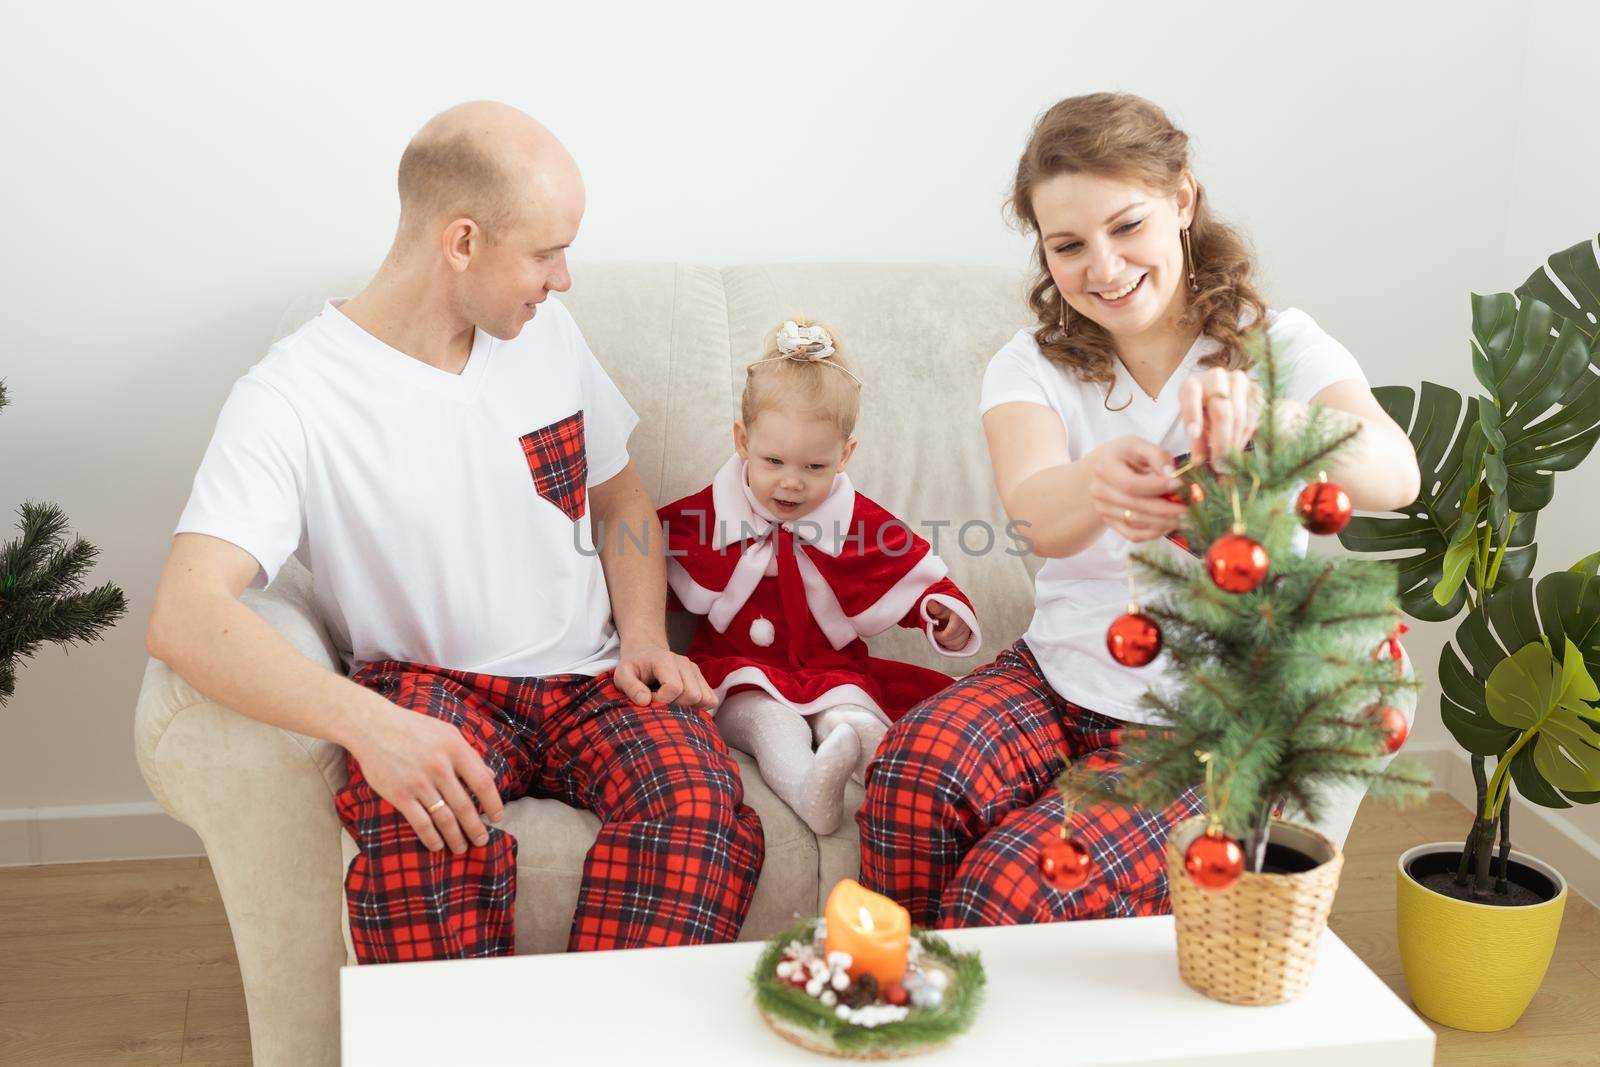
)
(676, 339)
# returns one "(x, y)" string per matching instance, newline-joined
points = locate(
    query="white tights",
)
(781, 739)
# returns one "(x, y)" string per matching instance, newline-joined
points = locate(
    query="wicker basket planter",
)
(1255, 943)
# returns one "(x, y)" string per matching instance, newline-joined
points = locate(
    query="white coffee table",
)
(1069, 993)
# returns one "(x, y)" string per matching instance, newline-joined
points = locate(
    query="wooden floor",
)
(1561, 1028)
(131, 963)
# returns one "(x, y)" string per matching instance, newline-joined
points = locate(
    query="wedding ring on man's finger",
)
(435, 806)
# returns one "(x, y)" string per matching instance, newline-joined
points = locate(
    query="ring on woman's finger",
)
(435, 806)
(1127, 515)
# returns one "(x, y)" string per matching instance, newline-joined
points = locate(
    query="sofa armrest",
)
(261, 799)
(287, 605)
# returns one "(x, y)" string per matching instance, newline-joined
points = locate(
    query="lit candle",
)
(873, 929)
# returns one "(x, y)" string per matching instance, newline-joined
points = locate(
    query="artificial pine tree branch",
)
(1316, 587)
(1157, 703)
(1322, 700)
(1125, 788)
(1268, 430)
(42, 526)
(1161, 567)
(1359, 725)
(79, 618)
(1359, 616)
(1259, 660)
(1389, 776)
(63, 572)
(1336, 750)
(41, 573)
(1202, 681)
(1298, 470)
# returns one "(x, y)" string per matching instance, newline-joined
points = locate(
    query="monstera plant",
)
(1477, 929)
(1519, 681)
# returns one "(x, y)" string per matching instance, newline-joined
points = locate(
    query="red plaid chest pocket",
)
(560, 464)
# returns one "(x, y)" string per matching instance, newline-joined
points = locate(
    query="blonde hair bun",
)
(802, 369)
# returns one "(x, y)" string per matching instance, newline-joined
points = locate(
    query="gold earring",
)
(1061, 317)
(1188, 257)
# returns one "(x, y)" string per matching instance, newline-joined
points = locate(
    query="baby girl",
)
(791, 569)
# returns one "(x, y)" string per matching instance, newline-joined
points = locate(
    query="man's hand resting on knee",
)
(233, 656)
(653, 673)
(414, 761)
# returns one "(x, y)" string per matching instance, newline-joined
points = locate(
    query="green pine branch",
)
(42, 600)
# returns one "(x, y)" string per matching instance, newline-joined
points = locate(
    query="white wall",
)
(177, 173)
(1555, 191)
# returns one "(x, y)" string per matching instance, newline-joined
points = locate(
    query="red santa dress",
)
(787, 604)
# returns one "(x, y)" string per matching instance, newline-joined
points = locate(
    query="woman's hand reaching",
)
(1221, 409)
(1129, 477)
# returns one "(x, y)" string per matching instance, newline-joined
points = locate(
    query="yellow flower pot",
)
(1474, 966)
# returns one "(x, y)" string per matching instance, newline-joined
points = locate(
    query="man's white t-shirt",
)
(1076, 598)
(443, 516)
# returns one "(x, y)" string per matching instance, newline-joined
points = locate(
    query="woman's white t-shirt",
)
(443, 516)
(1076, 598)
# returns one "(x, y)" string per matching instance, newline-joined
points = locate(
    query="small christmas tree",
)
(1284, 667)
(41, 575)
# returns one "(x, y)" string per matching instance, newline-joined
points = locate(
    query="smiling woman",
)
(1142, 300)
(1122, 224)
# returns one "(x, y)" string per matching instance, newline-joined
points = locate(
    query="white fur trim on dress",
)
(735, 519)
(747, 574)
(825, 607)
(961, 612)
(840, 694)
(897, 603)
(694, 596)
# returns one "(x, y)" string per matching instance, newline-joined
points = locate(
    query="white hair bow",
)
(809, 342)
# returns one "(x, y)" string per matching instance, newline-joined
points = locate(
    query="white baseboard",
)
(89, 832)
(1541, 832)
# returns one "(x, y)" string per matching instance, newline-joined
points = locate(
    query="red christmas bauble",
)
(1133, 639)
(1193, 491)
(1237, 563)
(1196, 495)
(896, 994)
(1324, 507)
(1065, 864)
(1393, 721)
(1214, 860)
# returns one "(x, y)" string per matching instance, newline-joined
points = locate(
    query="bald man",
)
(435, 450)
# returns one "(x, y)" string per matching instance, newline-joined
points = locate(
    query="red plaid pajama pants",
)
(678, 851)
(962, 797)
